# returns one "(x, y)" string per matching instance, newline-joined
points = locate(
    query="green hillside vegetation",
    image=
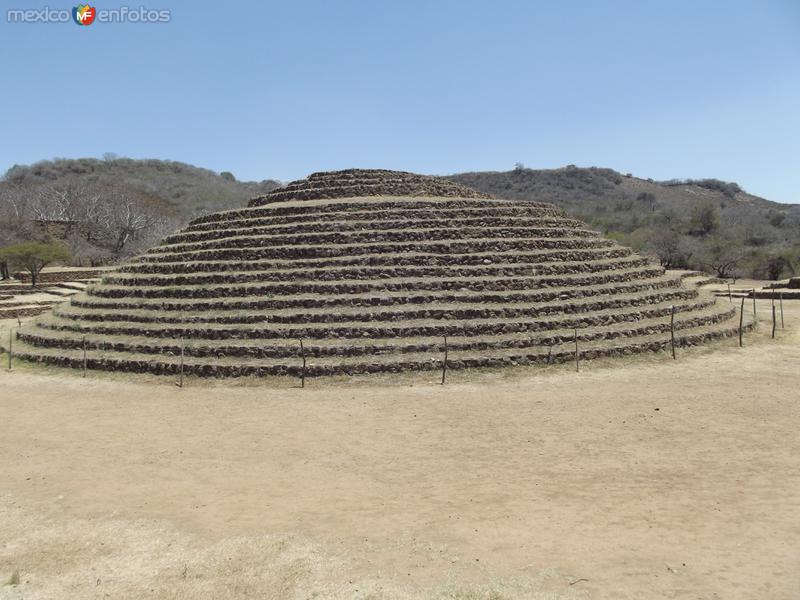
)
(705, 224)
(106, 210)
(191, 191)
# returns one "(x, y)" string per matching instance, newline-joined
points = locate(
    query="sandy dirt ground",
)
(642, 478)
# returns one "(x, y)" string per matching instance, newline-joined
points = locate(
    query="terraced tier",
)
(374, 282)
(23, 301)
(366, 182)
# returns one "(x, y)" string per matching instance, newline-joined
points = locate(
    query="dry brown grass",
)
(636, 478)
(46, 556)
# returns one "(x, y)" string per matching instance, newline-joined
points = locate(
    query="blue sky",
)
(278, 90)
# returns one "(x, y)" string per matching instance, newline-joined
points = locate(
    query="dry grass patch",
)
(45, 556)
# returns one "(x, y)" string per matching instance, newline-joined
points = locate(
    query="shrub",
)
(704, 219)
(33, 256)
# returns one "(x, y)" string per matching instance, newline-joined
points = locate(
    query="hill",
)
(698, 224)
(703, 224)
(107, 210)
(191, 191)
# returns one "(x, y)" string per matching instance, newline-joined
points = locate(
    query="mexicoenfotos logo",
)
(83, 14)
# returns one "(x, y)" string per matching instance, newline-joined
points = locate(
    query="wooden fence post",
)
(84, 356)
(773, 321)
(444, 363)
(741, 319)
(730, 298)
(577, 354)
(672, 329)
(303, 372)
(754, 307)
(180, 380)
(10, 345)
(549, 353)
(781, 300)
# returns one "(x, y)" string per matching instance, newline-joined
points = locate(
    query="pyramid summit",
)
(371, 269)
(367, 182)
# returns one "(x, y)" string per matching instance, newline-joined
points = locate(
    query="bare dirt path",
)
(638, 479)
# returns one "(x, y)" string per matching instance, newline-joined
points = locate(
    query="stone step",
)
(375, 205)
(687, 334)
(386, 285)
(29, 310)
(388, 259)
(254, 239)
(299, 251)
(372, 273)
(361, 226)
(335, 347)
(396, 217)
(383, 298)
(410, 187)
(19, 303)
(391, 313)
(374, 329)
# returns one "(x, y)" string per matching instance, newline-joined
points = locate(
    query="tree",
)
(98, 221)
(227, 176)
(777, 219)
(673, 250)
(775, 266)
(665, 244)
(14, 227)
(33, 257)
(648, 199)
(132, 216)
(57, 203)
(722, 256)
(704, 219)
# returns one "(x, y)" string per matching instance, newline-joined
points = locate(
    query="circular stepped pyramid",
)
(371, 269)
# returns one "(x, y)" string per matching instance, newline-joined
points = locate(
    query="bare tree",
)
(132, 217)
(671, 248)
(14, 227)
(722, 257)
(57, 203)
(96, 221)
